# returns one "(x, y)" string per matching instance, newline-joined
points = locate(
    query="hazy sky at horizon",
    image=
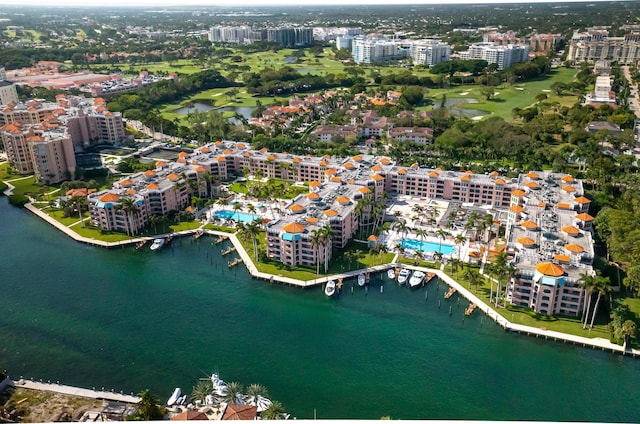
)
(227, 3)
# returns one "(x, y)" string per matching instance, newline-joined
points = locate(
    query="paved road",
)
(634, 104)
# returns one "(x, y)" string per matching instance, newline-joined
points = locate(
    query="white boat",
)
(417, 278)
(330, 288)
(391, 273)
(404, 276)
(174, 397)
(361, 280)
(157, 244)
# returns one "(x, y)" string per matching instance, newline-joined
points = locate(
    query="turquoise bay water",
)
(131, 320)
(427, 246)
(242, 216)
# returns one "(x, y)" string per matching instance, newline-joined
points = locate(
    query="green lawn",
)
(214, 227)
(356, 256)
(58, 216)
(289, 191)
(94, 233)
(417, 262)
(29, 186)
(523, 316)
(151, 230)
(4, 172)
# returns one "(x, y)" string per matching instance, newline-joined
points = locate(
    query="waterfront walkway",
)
(596, 343)
(76, 391)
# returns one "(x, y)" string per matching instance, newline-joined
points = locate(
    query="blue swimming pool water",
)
(427, 246)
(243, 216)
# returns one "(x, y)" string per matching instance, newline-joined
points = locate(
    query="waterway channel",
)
(130, 320)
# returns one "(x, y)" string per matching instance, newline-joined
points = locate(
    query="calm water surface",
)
(131, 320)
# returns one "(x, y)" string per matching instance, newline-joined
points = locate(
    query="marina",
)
(104, 322)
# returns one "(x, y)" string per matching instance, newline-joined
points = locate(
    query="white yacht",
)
(404, 276)
(157, 244)
(361, 280)
(330, 288)
(174, 397)
(391, 273)
(417, 278)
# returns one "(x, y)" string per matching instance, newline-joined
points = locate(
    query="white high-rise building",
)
(429, 52)
(8, 92)
(376, 50)
(502, 55)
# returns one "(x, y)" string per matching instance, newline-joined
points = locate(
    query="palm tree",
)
(402, 228)
(459, 241)
(251, 208)
(603, 286)
(400, 248)
(455, 263)
(234, 393)
(202, 389)
(237, 207)
(473, 278)
(326, 243)
(255, 392)
(442, 234)
(499, 268)
(421, 233)
(628, 330)
(274, 412)
(437, 256)
(316, 241)
(588, 283)
(510, 271)
(130, 209)
(148, 407)
(249, 231)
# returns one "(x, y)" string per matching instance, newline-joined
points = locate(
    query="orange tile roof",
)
(516, 208)
(297, 160)
(372, 237)
(343, 200)
(131, 192)
(518, 193)
(438, 169)
(327, 156)
(311, 220)
(296, 208)
(562, 258)
(357, 158)
(465, 178)
(376, 168)
(330, 171)
(220, 159)
(336, 179)
(313, 196)
(415, 165)
(181, 160)
(568, 179)
(433, 174)
(149, 173)
(324, 163)
(293, 228)
(494, 174)
(564, 206)
(402, 171)
(241, 145)
(526, 241)
(205, 149)
(161, 164)
(570, 229)
(173, 177)
(126, 183)
(530, 225)
(582, 200)
(550, 269)
(218, 143)
(364, 190)
(246, 154)
(533, 175)
(272, 157)
(200, 169)
(349, 165)
(574, 248)
(377, 177)
(314, 184)
(569, 189)
(227, 151)
(183, 154)
(153, 186)
(584, 217)
(331, 212)
(109, 197)
(385, 161)
(532, 185)
(264, 150)
(468, 172)
(500, 181)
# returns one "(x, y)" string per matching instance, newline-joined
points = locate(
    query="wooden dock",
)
(470, 309)
(141, 244)
(234, 262)
(228, 250)
(430, 276)
(220, 239)
(450, 293)
(198, 234)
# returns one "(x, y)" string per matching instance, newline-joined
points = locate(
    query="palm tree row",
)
(321, 239)
(250, 231)
(593, 284)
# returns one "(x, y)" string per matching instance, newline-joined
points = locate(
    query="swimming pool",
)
(242, 216)
(427, 246)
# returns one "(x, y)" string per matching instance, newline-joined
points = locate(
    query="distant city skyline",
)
(230, 3)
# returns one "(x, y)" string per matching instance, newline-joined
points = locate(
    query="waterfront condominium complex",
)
(502, 55)
(8, 92)
(429, 52)
(376, 50)
(595, 44)
(546, 214)
(41, 137)
(550, 235)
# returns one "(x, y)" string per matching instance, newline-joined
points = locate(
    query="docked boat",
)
(330, 288)
(157, 244)
(391, 273)
(417, 278)
(404, 275)
(361, 280)
(174, 397)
